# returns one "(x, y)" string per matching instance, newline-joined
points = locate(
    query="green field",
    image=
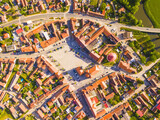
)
(5, 114)
(156, 40)
(152, 8)
(141, 15)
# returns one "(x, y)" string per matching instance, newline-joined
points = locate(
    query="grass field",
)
(152, 8)
(141, 15)
(5, 114)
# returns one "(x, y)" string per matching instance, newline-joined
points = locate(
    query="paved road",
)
(70, 15)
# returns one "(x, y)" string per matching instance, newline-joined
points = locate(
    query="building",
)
(40, 113)
(22, 108)
(29, 49)
(6, 36)
(111, 57)
(80, 71)
(127, 35)
(16, 87)
(19, 31)
(126, 66)
(10, 48)
(92, 71)
(3, 18)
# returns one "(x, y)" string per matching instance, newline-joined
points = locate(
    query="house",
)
(40, 113)
(31, 11)
(108, 7)
(126, 66)
(6, 36)
(2, 94)
(19, 31)
(142, 101)
(81, 115)
(37, 90)
(92, 71)
(24, 3)
(80, 71)
(22, 108)
(3, 18)
(29, 49)
(43, 109)
(18, 2)
(16, 87)
(129, 78)
(6, 6)
(14, 112)
(23, 39)
(128, 55)
(15, 99)
(122, 10)
(38, 82)
(144, 96)
(10, 48)
(69, 117)
(127, 35)
(140, 113)
(110, 96)
(40, 5)
(30, 66)
(2, 84)
(42, 75)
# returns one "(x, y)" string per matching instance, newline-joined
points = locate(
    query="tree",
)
(136, 44)
(85, 8)
(143, 59)
(106, 15)
(140, 23)
(103, 6)
(131, 44)
(139, 81)
(14, 25)
(26, 28)
(37, 36)
(158, 91)
(153, 58)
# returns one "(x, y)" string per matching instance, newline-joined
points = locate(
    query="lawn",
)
(6, 98)
(152, 8)
(94, 2)
(141, 15)
(10, 79)
(5, 114)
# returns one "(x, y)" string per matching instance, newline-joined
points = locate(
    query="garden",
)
(115, 50)
(143, 46)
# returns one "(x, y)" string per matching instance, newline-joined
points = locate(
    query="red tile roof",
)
(94, 99)
(20, 30)
(139, 112)
(158, 106)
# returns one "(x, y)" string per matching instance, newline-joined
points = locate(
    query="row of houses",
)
(98, 94)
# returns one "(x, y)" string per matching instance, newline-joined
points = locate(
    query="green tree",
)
(139, 81)
(103, 6)
(131, 44)
(153, 58)
(158, 91)
(143, 59)
(85, 8)
(37, 36)
(26, 28)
